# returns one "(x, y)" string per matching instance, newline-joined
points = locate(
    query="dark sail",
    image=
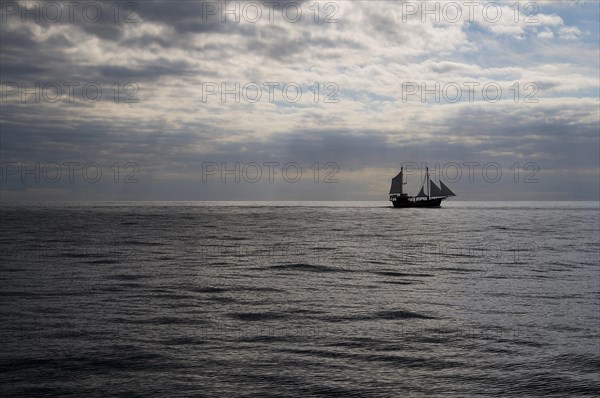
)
(421, 193)
(396, 187)
(446, 191)
(435, 190)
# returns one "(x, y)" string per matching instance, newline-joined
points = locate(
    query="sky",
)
(298, 100)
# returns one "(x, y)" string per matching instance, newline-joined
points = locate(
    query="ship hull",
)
(402, 202)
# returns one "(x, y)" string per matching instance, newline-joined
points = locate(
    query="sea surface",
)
(299, 299)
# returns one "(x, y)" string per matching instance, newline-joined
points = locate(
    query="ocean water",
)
(299, 299)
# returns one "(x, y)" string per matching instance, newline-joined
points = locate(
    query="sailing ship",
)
(433, 198)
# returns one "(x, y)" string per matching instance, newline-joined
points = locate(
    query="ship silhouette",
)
(430, 194)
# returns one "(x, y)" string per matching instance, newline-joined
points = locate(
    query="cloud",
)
(569, 32)
(357, 115)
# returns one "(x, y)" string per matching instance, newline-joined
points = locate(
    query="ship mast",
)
(427, 182)
(401, 180)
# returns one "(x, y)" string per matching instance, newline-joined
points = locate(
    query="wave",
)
(401, 274)
(257, 316)
(306, 267)
(380, 315)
